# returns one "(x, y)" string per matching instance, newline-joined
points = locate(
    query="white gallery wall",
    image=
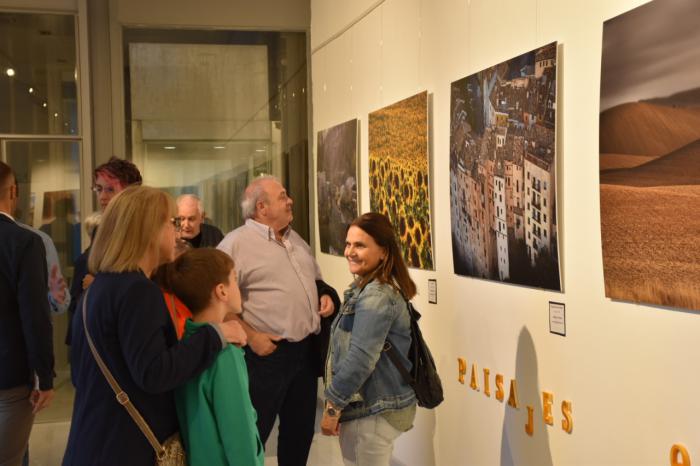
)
(629, 370)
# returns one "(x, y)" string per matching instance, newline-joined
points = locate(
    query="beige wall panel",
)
(332, 16)
(401, 50)
(339, 85)
(43, 5)
(261, 14)
(499, 30)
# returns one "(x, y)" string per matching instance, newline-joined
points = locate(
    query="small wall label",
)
(557, 318)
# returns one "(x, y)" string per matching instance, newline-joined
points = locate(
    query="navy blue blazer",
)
(131, 327)
(26, 334)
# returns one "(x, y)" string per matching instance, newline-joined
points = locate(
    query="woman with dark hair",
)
(364, 390)
(109, 179)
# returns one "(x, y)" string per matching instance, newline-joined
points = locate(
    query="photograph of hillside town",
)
(650, 155)
(336, 175)
(398, 175)
(503, 171)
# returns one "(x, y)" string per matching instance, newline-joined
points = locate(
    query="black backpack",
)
(423, 377)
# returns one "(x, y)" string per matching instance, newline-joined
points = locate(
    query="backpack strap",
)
(394, 358)
(393, 354)
(388, 347)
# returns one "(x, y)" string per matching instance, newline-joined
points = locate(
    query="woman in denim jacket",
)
(364, 390)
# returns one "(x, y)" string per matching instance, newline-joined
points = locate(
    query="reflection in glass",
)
(38, 93)
(48, 178)
(207, 111)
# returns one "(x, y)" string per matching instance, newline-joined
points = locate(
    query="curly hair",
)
(125, 171)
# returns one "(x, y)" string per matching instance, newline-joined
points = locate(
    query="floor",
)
(50, 434)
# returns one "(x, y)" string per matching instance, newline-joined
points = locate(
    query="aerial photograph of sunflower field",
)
(398, 175)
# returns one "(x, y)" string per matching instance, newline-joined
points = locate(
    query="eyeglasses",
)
(177, 223)
(101, 189)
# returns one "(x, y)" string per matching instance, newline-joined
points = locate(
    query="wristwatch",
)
(331, 410)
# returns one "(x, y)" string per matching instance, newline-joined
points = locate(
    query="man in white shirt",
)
(280, 284)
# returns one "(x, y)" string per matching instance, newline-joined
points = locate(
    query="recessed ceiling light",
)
(10, 72)
(219, 147)
(31, 90)
(55, 115)
(44, 104)
(169, 147)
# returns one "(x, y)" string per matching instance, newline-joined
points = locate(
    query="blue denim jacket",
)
(360, 377)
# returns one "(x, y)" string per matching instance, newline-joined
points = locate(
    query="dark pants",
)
(284, 383)
(16, 419)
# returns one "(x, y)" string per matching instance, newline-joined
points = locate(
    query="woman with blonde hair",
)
(129, 324)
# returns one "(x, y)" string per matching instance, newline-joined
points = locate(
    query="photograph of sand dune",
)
(650, 154)
(398, 175)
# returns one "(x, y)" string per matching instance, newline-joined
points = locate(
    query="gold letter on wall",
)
(568, 422)
(499, 387)
(530, 426)
(513, 396)
(474, 379)
(676, 450)
(547, 401)
(462, 370)
(487, 387)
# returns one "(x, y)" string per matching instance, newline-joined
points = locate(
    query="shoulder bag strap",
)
(394, 358)
(122, 397)
(393, 354)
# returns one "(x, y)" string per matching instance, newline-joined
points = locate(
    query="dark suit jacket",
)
(26, 335)
(209, 237)
(130, 324)
(80, 270)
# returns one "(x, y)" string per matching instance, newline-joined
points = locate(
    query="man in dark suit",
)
(26, 346)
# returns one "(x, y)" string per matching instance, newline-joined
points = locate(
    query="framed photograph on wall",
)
(650, 154)
(398, 175)
(336, 178)
(503, 194)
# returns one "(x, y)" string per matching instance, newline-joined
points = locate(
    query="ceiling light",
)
(55, 115)
(219, 147)
(169, 147)
(10, 72)
(260, 150)
(44, 104)
(31, 90)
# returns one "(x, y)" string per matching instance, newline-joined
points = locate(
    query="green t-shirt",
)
(217, 418)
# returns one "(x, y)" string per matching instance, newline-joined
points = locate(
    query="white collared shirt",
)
(277, 279)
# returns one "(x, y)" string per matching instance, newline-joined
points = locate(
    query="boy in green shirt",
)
(217, 418)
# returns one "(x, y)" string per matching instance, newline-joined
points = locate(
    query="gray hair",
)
(192, 197)
(92, 222)
(254, 193)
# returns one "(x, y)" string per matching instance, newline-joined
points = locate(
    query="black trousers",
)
(284, 384)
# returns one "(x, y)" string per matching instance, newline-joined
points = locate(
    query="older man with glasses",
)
(197, 233)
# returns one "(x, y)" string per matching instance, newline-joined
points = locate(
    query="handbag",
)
(170, 452)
